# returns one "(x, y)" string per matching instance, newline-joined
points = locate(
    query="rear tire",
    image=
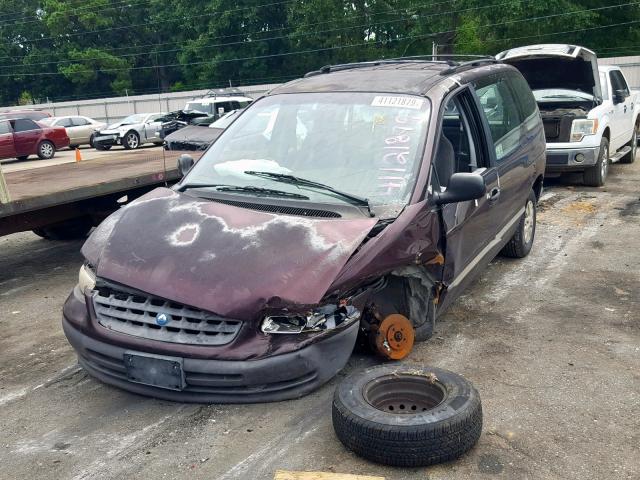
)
(73, 229)
(633, 143)
(520, 244)
(46, 150)
(596, 176)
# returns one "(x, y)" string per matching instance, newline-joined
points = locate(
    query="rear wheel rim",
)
(132, 140)
(46, 149)
(605, 162)
(528, 222)
(404, 393)
(634, 144)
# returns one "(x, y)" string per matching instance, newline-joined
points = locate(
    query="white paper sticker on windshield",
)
(398, 102)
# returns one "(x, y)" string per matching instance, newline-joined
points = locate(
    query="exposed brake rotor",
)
(394, 337)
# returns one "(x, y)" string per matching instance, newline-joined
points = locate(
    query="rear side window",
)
(5, 128)
(225, 106)
(24, 124)
(64, 122)
(524, 96)
(79, 121)
(502, 114)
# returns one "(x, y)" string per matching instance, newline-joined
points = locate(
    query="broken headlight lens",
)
(582, 127)
(322, 318)
(86, 278)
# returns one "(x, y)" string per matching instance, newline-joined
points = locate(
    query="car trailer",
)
(65, 201)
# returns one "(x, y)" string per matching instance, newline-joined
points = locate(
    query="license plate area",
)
(155, 370)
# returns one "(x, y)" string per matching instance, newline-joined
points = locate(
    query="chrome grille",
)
(135, 314)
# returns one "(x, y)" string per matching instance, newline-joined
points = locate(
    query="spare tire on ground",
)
(407, 416)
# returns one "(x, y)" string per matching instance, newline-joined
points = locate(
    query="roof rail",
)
(446, 59)
(470, 64)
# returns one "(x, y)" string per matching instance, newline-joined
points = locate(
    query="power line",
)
(289, 36)
(340, 47)
(74, 10)
(388, 12)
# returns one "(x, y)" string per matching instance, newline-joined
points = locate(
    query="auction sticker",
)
(397, 102)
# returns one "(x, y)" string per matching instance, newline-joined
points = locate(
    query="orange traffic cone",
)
(78, 155)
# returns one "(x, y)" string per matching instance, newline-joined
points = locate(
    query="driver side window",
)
(457, 151)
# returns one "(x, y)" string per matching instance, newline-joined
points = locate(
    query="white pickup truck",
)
(590, 116)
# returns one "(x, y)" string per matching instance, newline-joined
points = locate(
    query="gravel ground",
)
(552, 343)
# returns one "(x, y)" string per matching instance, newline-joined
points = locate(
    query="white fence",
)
(630, 66)
(111, 109)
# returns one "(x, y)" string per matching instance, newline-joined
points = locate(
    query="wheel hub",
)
(394, 337)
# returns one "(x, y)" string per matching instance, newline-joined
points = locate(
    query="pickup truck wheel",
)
(595, 176)
(407, 415)
(68, 230)
(631, 156)
(46, 150)
(520, 244)
(131, 140)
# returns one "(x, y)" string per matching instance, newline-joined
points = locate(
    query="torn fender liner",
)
(221, 258)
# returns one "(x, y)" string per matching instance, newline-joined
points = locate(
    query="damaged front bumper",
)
(201, 380)
(571, 159)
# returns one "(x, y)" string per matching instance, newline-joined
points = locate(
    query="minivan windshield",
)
(368, 145)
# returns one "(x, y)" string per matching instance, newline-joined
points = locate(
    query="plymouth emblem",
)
(162, 319)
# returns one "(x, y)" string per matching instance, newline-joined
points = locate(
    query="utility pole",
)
(434, 50)
(4, 191)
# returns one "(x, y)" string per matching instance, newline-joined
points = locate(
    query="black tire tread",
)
(591, 175)
(409, 446)
(515, 247)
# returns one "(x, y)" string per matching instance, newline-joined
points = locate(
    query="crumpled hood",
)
(553, 66)
(228, 260)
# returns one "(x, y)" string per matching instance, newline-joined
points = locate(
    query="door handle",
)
(494, 194)
(625, 109)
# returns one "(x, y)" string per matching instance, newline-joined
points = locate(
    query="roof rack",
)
(441, 59)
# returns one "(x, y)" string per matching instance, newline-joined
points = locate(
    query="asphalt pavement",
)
(552, 343)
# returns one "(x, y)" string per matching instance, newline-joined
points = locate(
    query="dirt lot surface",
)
(552, 342)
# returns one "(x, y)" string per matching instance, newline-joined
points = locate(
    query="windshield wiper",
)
(249, 189)
(262, 191)
(286, 178)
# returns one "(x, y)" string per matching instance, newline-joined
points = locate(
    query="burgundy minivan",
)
(358, 201)
(22, 137)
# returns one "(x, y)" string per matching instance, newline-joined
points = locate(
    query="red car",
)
(22, 137)
(32, 114)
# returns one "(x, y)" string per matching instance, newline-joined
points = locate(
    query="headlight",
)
(582, 127)
(322, 318)
(86, 278)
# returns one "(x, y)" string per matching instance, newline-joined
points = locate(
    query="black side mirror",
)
(619, 96)
(185, 162)
(462, 187)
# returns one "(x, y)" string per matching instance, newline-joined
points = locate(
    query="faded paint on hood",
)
(228, 260)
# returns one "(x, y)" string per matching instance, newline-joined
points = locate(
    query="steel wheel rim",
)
(634, 144)
(605, 162)
(132, 140)
(46, 149)
(528, 222)
(404, 393)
